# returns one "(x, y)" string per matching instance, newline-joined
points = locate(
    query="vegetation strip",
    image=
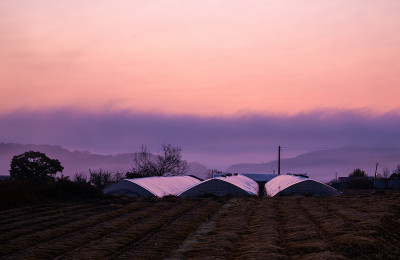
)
(81, 239)
(347, 227)
(134, 231)
(301, 236)
(26, 242)
(12, 215)
(226, 231)
(33, 224)
(261, 240)
(203, 230)
(349, 234)
(169, 236)
(379, 222)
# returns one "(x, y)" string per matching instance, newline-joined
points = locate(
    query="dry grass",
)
(171, 234)
(347, 227)
(52, 235)
(225, 233)
(262, 239)
(356, 233)
(117, 238)
(299, 233)
(46, 221)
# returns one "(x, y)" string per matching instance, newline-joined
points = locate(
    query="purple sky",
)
(217, 142)
(226, 80)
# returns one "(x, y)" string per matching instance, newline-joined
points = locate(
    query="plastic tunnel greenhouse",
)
(151, 186)
(297, 185)
(235, 186)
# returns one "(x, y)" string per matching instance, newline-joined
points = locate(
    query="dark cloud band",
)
(220, 140)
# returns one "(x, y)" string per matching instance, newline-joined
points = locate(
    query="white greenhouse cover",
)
(243, 182)
(163, 186)
(282, 182)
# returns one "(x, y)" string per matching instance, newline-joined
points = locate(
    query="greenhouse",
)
(233, 185)
(152, 186)
(297, 185)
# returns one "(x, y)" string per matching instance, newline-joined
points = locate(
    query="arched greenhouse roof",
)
(234, 185)
(152, 186)
(297, 185)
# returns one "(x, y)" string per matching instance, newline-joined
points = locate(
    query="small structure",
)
(297, 185)
(151, 186)
(234, 185)
(4, 177)
(387, 184)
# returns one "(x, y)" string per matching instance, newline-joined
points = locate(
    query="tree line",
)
(37, 166)
(385, 175)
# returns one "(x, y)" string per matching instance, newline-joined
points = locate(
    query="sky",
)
(225, 71)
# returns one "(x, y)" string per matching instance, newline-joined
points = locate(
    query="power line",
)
(290, 148)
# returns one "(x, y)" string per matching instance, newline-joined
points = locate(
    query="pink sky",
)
(200, 57)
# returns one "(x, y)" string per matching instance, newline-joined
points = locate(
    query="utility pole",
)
(376, 169)
(279, 160)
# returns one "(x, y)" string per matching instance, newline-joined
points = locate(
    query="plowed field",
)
(347, 227)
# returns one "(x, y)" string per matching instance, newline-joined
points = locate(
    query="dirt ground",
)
(345, 227)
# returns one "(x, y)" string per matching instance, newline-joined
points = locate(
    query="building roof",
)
(242, 185)
(284, 182)
(243, 182)
(161, 186)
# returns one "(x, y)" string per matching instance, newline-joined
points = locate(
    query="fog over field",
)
(318, 143)
(320, 165)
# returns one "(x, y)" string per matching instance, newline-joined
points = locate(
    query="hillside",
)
(323, 165)
(79, 161)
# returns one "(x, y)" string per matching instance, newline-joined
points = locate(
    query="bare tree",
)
(167, 163)
(397, 170)
(118, 176)
(396, 173)
(100, 179)
(80, 177)
(386, 172)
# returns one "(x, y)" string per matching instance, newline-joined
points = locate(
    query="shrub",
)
(358, 173)
(15, 193)
(100, 179)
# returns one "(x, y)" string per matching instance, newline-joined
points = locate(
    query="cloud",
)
(214, 141)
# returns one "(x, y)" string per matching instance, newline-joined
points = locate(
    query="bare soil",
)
(345, 227)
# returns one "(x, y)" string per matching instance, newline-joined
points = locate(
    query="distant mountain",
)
(322, 165)
(79, 161)
(198, 169)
